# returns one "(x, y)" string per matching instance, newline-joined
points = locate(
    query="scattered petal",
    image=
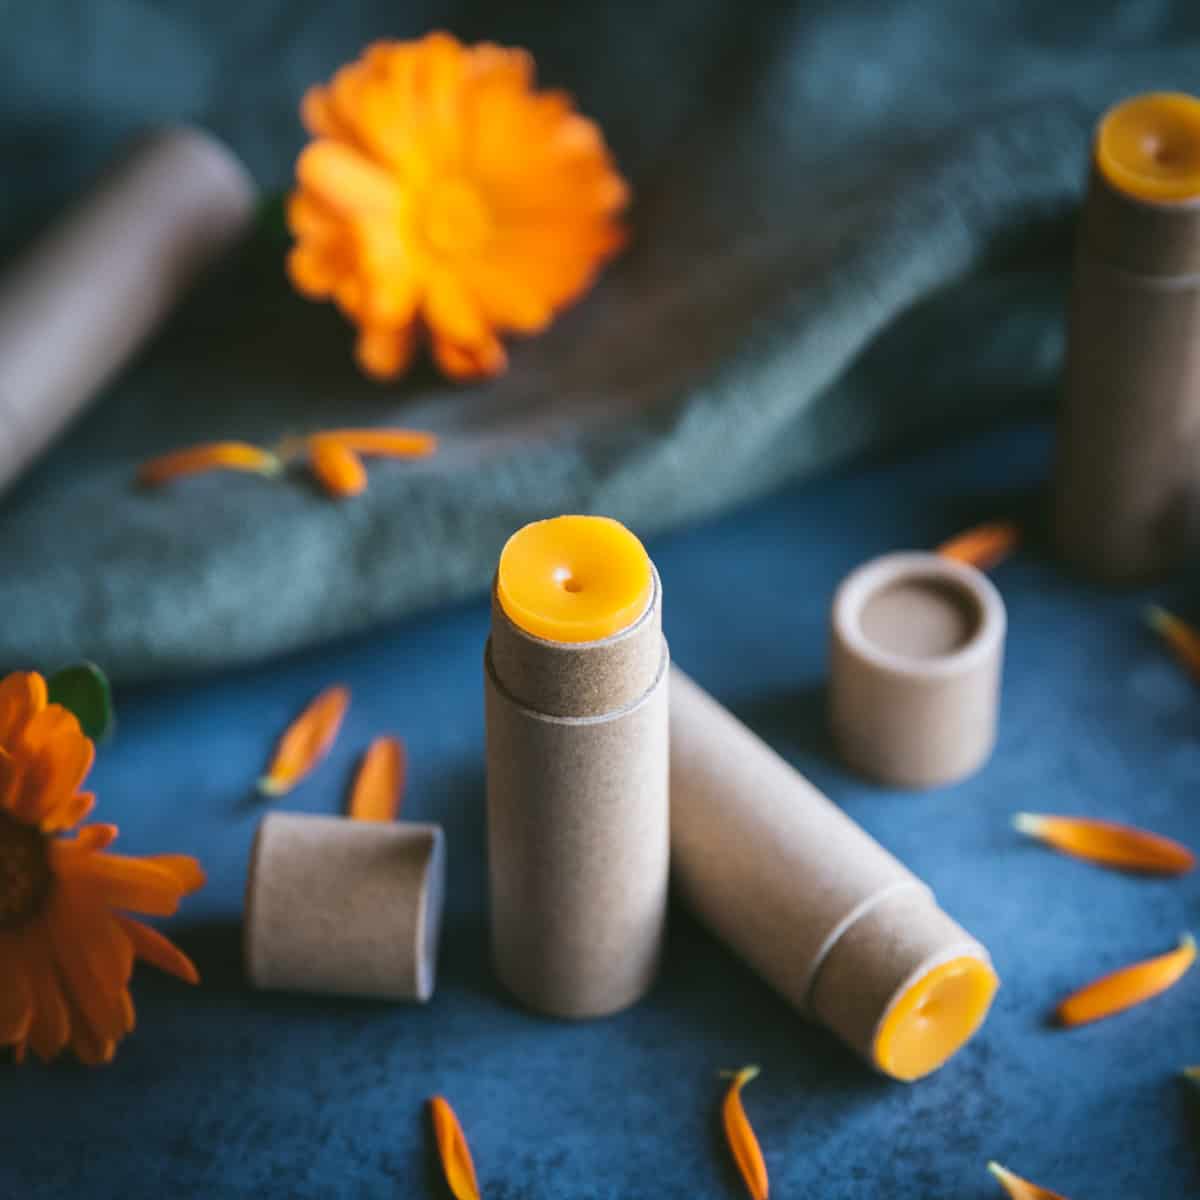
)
(453, 1151)
(384, 443)
(743, 1143)
(379, 784)
(984, 546)
(339, 470)
(1108, 842)
(1182, 638)
(306, 741)
(1021, 1189)
(1129, 986)
(1192, 1075)
(213, 456)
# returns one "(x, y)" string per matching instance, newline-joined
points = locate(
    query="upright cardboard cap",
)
(345, 907)
(917, 644)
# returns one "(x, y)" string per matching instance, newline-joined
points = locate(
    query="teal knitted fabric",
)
(852, 225)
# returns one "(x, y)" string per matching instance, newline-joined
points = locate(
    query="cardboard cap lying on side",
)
(345, 907)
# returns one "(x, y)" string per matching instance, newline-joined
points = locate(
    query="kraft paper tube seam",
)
(578, 809)
(831, 919)
(85, 295)
(343, 907)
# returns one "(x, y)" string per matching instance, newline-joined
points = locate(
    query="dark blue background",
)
(223, 1092)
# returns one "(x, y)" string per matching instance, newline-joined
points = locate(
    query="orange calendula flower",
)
(1129, 986)
(212, 456)
(379, 785)
(743, 1144)
(453, 1151)
(445, 199)
(1109, 843)
(1021, 1189)
(67, 941)
(1179, 635)
(984, 546)
(306, 741)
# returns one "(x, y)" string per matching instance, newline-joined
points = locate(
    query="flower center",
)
(456, 220)
(24, 871)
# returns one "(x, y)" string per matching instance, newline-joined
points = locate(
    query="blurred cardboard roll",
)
(78, 303)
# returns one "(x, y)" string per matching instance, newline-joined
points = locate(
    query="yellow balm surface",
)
(935, 1018)
(574, 579)
(1149, 146)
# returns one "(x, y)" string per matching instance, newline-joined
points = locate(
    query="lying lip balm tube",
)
(575, 680)
(87, 293)
(827, 916)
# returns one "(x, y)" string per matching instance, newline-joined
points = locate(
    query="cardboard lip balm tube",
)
(344, 907)
(917, 646)
(577, 784)
(90, 290)
(816, 906)
(1126, 502)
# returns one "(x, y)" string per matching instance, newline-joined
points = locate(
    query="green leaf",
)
(84, 689)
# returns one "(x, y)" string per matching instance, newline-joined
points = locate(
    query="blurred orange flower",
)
(66, 946)
(444, 197)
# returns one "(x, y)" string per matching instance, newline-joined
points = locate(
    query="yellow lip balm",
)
(1149, 147)
(574, 579)
(934, 1018)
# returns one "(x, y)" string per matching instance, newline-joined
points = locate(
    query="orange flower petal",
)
(213, 456)
(94, 959)
(470, 362)
(346, 180)
(386, 443)
(1108, 842)
(1181, 637)
(1127, 987)
(743, 1144)
(96, 837)
(984, 546)
(379, 784)
(1021, 1189)
(187, 872)
(16, 997)
(150, 946)
(453, 1151)
(51, 1027)
(121, 882)
(306, 741)
(384, 353)
(22, 696)
(339, 471)
(69, 813)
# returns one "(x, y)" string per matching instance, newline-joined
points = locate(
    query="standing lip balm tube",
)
(575, 681)
(823, 912)
(1127, 486)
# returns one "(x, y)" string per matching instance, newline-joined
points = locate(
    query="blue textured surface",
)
(223, 1092)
